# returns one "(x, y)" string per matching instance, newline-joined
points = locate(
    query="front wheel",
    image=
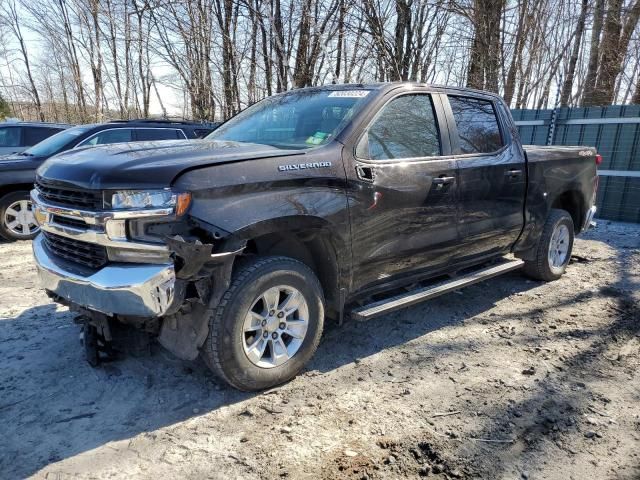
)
(267, 325)
(554, 248)
(17, 221)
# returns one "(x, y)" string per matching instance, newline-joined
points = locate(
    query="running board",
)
(392, 304)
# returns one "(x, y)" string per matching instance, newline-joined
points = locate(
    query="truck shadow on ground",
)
(53, 405)
(565, 410)
(358, 340)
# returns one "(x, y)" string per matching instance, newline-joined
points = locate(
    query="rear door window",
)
(477, 124)
(105, 137)
(406, 127)
(9, 136)
(146, 134)
(34, 135)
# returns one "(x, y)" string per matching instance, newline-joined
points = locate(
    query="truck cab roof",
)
(384, 87)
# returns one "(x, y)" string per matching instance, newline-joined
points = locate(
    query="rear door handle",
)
(443, 180)
(513, 173)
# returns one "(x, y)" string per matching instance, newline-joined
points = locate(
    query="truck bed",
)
(544, 153)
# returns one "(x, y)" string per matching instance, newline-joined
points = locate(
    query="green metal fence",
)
(614, 131)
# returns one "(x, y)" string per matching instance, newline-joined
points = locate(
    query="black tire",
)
(224, 351)
(540, 268)
(5, 203)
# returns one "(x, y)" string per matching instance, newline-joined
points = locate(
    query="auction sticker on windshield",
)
(349, 93)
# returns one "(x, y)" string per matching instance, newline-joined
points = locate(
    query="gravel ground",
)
(508, 379)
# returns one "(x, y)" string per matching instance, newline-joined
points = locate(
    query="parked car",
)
(353, 198)
(17, 172)
(18, 136)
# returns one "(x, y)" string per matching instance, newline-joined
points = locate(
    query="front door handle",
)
(513, 173)
(443, 180)
(365, 173)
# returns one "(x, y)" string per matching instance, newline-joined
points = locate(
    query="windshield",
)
(56, 143)
(294, 120)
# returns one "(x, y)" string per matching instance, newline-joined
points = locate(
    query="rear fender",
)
(548, 182)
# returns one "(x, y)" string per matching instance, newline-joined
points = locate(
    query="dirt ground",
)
(508, 379)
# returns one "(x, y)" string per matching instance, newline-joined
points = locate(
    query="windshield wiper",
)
(25, 154)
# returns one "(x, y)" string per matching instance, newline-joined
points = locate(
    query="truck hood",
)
(146, 164)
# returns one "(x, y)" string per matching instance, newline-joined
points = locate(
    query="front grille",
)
(87, 199)
(69, 222)
(87, 254)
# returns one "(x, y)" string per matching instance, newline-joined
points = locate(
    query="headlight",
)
(143, 199)
(137, 199)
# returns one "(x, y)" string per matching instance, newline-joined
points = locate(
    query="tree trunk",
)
(492, 62)
(484, 63)
(594, 55)
(475, 74)
(615, 42)
(127, 60)
(403, 38)
(609, 57)
(32, 83)
(301, 72)
(281, 81)
(96, 60)
(510, 81)
(14, 20)
(268, 62)
(143, 72)
(341, 14)
(251, 86)
(113, 50)
(567, 85)
(224, 13)
(74, 60)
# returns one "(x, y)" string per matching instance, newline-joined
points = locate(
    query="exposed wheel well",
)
(572, 202)
(309, 247)
(16, 187)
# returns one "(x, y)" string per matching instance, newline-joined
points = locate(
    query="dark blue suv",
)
(18, 136)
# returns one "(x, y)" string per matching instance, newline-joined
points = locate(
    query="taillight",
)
(598, 159)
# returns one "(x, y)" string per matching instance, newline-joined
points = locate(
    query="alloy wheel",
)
(275, 326)
(559, 246)
(20, 220)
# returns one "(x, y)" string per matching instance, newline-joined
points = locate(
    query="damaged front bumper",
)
(139, 280)
(127, 289)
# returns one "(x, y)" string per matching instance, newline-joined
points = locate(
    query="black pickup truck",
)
(320, 202)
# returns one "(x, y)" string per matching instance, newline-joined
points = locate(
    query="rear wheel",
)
(17, 221)
(554, 248)
(267, 325)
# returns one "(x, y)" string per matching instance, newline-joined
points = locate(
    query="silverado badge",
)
(302, 166)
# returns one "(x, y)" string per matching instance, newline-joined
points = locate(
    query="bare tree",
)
(115, 58)
(619, 25)
(185, 32)
(567, 86)
(485, 16)
(12, 19)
